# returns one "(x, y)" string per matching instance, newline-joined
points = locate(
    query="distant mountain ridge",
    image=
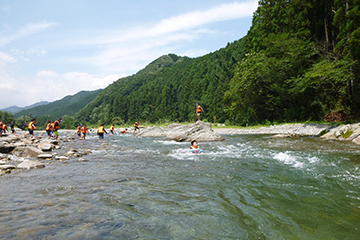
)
(15, 109)
(69, 105)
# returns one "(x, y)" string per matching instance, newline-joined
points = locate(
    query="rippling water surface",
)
(247, 187)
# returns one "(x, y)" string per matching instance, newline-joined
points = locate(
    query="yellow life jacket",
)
(101, 129)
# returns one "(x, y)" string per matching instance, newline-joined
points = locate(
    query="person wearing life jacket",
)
(79, 130)
(194, 148)
(136, 126)
(83, 131)
(56, 128)
(124, 131)
(31, 127)
(112, 129)
(198, 110)
(2, 128)
(101, 131)
(49, 128)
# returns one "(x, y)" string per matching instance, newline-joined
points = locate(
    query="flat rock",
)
(45, 146)
(28, 164)
(199, 131)
(27, 151)
(82, 160)
(3, 162)
(44, 156)
(6, 167)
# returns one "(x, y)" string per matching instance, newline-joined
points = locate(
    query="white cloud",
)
(4, 57)
(144, 44)
(24, 31)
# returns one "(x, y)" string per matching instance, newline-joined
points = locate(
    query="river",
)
(246, 187)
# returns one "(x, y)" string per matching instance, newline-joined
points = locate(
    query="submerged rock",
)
(28, 164)
(200, 131)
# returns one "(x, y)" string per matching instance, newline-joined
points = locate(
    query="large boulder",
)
(27, 151)
(200, 131)
(6, 148)
(348, 132)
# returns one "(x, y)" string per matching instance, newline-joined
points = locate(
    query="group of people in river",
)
(53, 127)
(3, 127)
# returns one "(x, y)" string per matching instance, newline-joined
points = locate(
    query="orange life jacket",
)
(79, 128)
(57, 127)
(136, 124)
(112, 128)
(31, 125)
(198, 108)
(192, 147)
(49, 126)
(84, 130)
(101, 129)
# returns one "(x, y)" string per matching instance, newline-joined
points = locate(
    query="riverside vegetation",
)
(298, 62)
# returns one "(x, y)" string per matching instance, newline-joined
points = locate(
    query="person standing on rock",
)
(56, 128)
(31, 127)
(83, 131)
(49, 128)
(199, 109)
(1, 130)
(101, 131)
(3, 127)
(12, 127)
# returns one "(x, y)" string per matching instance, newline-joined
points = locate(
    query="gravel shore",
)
(307, 129)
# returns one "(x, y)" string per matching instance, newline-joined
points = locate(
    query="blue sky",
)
(50, 49)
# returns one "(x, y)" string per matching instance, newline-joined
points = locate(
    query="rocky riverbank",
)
(348, 132)
(19, 151)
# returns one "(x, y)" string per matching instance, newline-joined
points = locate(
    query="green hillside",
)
(65, 108)
(298, 62)
(168, 89)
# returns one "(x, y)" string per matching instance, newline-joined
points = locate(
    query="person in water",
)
(199, 109)
(101, 131)
(49, 128)
(112, 128)
(124, 131)
(194, 148)
(83, 131)
(136, 126)
(78, 130)
(31, 127)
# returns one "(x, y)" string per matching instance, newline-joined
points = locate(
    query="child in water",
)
(194, 148)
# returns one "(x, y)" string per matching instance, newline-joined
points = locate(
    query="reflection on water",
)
(247, 187)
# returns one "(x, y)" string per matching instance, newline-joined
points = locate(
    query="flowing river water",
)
(246, 187)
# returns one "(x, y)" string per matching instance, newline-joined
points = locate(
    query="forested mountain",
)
(302, 63)
(299, 61)
(68, 105)
(14, 109)
(65, 108)
(168, 89)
